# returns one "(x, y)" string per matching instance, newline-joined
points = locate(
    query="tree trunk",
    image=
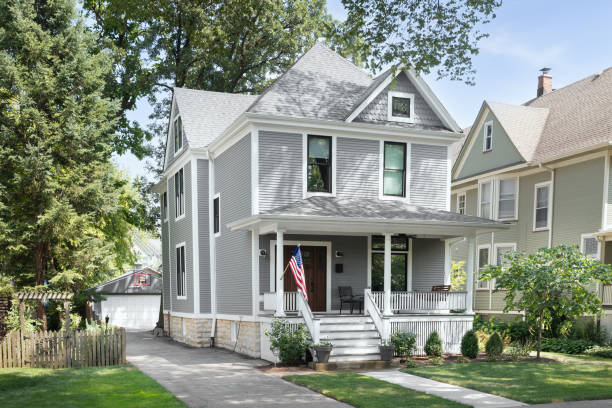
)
(40, 278)
(540, 334)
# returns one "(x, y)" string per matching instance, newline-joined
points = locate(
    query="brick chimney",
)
(544, 82)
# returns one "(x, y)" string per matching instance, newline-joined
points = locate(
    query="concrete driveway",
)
(215, 377)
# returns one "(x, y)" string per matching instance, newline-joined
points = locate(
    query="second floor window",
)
(540, 216)
(179, 194)
(319, 169)
(485, 199)
(487, 143)
(394, 172)
(165, 205)
(483, 261)
(216, 219)
(506, 206)
(178, 134)
(461, 204)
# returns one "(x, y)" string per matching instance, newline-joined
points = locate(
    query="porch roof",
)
(338, 215)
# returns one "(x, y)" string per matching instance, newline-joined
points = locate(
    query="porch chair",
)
(346, 296)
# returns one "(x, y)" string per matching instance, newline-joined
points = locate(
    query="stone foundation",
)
(195, 332)
(245, 339)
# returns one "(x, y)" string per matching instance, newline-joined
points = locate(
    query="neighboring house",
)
(147, 250)
(131, 300)
(355, 169)
(543, 168)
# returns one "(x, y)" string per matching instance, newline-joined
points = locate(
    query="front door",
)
(315, 270)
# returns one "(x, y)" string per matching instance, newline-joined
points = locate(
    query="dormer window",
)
(487, 142)
(178, 134)
(400, 107)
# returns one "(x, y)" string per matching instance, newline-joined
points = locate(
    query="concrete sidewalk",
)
(577, 404)
(451, 392)
(203, 377)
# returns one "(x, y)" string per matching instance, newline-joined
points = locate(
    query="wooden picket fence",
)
(61, 349)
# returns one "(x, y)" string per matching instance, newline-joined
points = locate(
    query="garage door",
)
(131, 311)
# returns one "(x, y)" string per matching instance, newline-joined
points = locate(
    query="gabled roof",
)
(124, 284)
(207, 114)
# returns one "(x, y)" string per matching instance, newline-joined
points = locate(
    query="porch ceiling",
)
(329, 215)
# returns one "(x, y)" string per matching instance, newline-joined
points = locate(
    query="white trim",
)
(477, 266)
(305, 192)
(449, 167)
(169, 252)
(182, 214)
(370, 98)
(369, 263)
(484, 136)
(591, 235)
(195, 258)
(381, 172)
(408, 254)
(409, 283)
(177, 246)
(498, 181)
(604, 204)
(535, 203)
(491, 198)
(326, 244)
(463, 190)
(470, 139)
(255, 271)
(498, 245)
(459, 195)
(255, 171)
(174, 120)
(403, 95)
(212, 204)
(211, 240)
(447, 262)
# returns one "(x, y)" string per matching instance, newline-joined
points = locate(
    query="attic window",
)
(141, 279)
(487, 142)
(178, 134)
(400, 107)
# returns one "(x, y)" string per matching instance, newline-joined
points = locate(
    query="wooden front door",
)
(315, 270)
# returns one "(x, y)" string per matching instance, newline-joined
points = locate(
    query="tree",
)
(422, 34)
(458, 276)
(550, 282)
(64, 209)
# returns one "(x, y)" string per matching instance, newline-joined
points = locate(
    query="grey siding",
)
(428, 175)
(609, 199)
(427, 263)
(203, 236)
(376, 111)
(170, 157)
(165, 265)
(357, 167)
(180, 231)
(233, 248)
(280, 169)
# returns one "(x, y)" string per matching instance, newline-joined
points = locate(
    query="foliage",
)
(405, 344)
(494, 347)
(433, 345)
(519, 351)
(514, 331)
(290, 344)
(469, 345)
(463, 359)
(423, 34)
(323, 344)
(6, 285)
(13, 323)
(567, 346)
(458, 276)
(552, 281)
(436, 360)
(589, 331)
(598, 351)
(366, 392)
(410, 364)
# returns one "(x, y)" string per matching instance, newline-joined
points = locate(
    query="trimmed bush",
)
(433, 345)
(566, 346)
(605, 352)
(291, 345)
(494, 347)
(469, 345)
(405, 344)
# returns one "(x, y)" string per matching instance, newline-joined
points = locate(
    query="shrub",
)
(433, 345)
(494, 347)
(13, 322)
(519, 351)
(605, 352)
(566, 346)
(469, 345)
(290, 344)
(463, 359)
(405, 344)
(410, 364)
(436, 360)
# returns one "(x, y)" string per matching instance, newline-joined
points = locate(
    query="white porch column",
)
(255, 270)
(387, 276)
(469, 270)
(280, 265)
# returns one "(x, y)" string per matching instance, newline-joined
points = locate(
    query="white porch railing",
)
(380, 322)
(423, 301)
(313, 324)
(289, 304)
(606, 295)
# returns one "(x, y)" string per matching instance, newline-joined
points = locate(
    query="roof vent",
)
(544, 82)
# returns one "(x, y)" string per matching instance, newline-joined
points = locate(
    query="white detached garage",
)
(131, 300)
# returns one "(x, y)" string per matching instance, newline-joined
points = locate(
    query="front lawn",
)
(366, 392)
(529, 382)
(111, 387)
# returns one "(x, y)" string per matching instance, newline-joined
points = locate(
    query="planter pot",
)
(323, 353)
(386, 352)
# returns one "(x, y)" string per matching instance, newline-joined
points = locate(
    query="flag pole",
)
(283, 274)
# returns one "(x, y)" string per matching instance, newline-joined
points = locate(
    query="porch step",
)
(355, 357)
(353, 350)
(344, 319)
(353, 341)
(349, 326)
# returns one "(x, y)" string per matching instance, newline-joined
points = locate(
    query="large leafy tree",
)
(551, 282)
(65, 212)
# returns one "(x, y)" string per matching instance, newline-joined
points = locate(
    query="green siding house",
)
(543, 168)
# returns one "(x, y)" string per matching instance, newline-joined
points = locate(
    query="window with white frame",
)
(178, 134)
(216, 215)
(164, 205)
(461, 203)
(180, 270)
(507, 198)
(319, 164)
(400, 107)
(484, 256)
(394, 169)
(485, 199)
(400, 247)
(487, 141)
(541, 204)
(589, 245)
(179, 194)
(501, 250)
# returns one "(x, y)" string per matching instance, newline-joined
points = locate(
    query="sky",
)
(574, 38)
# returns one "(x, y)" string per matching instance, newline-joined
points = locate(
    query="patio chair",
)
(346, 296)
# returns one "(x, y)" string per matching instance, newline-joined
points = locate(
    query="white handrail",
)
(424, 301)
(380, 322)
(313, 324)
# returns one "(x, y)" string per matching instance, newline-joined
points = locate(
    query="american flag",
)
(297, 269)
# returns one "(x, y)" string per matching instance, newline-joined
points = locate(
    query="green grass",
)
(574, 380)
(119, 386)
(366, 392)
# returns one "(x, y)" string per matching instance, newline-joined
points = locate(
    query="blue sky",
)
(574, 38)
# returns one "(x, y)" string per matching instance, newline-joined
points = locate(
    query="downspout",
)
(212, 248)
(552, 203)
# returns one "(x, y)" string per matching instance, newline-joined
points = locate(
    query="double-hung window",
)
(164, 206)
(485, 199)
(179, 194)
(487, 141)
(319, 170)
(178, 134)
(180, 270)
(216, 216)
(541, 207)
(394, 171)
(461, 204)
(400, 246)
(484, 256)
(506, 204)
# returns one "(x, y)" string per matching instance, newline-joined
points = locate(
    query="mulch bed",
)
(285, 369)
(482, 358)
